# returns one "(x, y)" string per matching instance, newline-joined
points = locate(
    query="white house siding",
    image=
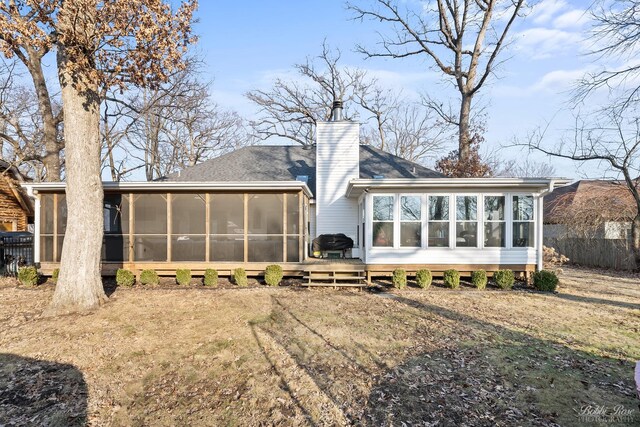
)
(455, 255)
(337, 162)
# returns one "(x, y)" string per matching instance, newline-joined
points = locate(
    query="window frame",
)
(394, 223)
(420, 197)
(513, 221)
(448, 221)
(506, 220)
(477, 221)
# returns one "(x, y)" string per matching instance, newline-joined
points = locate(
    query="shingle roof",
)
(609, 198)
(286, 162)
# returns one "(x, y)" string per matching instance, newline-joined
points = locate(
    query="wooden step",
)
(318, 277)
(335, 285)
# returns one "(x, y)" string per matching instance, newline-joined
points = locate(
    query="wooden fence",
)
(602, 253)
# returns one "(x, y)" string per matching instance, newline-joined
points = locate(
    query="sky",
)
(247, 44)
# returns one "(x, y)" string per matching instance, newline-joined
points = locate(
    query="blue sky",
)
(247, 44)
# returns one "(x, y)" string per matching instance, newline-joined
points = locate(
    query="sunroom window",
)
(438, 221)
(410, 221)
(494, 222)
(467, 221)
(523, 222)
(383, 220)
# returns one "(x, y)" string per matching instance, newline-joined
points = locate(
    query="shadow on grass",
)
(476, 374)
(38, 392)
(590, 300)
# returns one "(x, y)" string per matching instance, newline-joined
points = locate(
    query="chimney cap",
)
(336, 111)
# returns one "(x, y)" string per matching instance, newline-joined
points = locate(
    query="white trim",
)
(36, 231)
(166, 186)
(357, 186)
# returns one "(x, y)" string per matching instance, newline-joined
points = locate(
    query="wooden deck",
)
(314, 271)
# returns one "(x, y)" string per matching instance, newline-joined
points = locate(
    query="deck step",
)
(318, 277)
(335, 285)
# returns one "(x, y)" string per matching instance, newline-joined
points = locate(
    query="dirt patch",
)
(285, 356)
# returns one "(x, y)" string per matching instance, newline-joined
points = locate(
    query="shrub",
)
(149, 277)
(399, 278)
(479, 279)
(545, 280)
(240, 277)
(451, 279)
(125, 277)
(210, 277)
(28, 276)
(183, 276)
(504, 279)
(273, 275)
(423, 278)
(54, 275)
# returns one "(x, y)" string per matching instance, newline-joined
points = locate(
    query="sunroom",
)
(168, 225)
(467, 224)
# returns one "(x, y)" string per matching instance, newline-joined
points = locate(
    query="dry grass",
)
(264, 356)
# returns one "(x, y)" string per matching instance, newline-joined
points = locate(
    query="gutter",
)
(35, 188)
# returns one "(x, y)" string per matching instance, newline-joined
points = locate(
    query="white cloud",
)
(541, 43)
(544, 11)
(573, 19)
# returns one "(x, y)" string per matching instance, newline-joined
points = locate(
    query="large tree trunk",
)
(464, 136)
(635, 239)
(79, 285)
(51, 159)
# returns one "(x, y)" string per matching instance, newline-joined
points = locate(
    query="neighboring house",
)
(16, 210)
(589, 221)
(265, 204)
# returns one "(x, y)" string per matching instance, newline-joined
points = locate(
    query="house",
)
(265, 204)
(16, 210)
(589, 221)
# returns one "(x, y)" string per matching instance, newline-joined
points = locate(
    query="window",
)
(438, 221)
(383, 220)
(115, 245)
(266, 215)
(494, 222)
(150, 227)
(523, 225)
(293, 227)
(226, 222)
(188, 212)
(466, 221)
(410, 221)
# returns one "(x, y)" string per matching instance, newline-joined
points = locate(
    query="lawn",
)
(289, 356)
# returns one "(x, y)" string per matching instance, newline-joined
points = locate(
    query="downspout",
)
(36, 224)
(540, 226)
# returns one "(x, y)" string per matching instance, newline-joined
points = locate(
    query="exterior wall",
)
(451, 255)
(337, 162)
(10, 209)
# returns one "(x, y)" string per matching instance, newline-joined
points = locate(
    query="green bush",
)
(125, 277)
(273, 275)
(545, 280)
(54, 275)
(504, 279)
(479, 279)
(423, 278)
(149, 277)
(399, 278)
(210, 277)
(240, 277)
(183, 276)
(28, 276)
(451, 279)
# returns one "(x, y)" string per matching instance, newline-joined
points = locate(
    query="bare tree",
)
(170, 127)
(615, 35)
(413, 133)
(526, 168)
(463, 39)
(98, 45)
(290, 109)
(24, 132)
(611, 138)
